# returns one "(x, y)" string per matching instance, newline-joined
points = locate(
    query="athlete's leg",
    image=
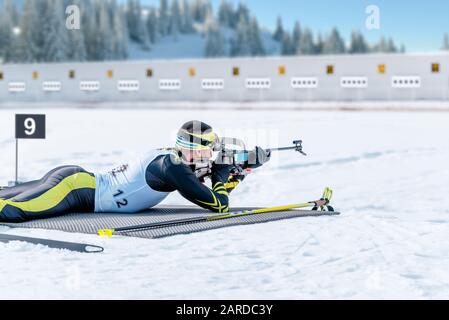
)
(66, 189)
(11, 192)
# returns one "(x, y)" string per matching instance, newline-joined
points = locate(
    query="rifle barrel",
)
(282, 149)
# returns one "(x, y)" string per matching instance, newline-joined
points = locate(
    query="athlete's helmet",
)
(197, 135)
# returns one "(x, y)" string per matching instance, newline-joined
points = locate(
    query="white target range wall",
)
(322, 78)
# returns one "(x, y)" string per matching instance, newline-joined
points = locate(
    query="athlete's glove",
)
(237, 175)
(257, 158)
(221, 172)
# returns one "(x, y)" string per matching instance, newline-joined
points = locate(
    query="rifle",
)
(239, 158)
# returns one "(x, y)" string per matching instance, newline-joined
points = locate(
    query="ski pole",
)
(314, 204)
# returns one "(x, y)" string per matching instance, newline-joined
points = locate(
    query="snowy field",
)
(390, 176)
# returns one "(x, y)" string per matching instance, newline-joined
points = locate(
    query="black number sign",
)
(30, 126)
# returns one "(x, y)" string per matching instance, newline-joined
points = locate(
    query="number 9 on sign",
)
(30, 126)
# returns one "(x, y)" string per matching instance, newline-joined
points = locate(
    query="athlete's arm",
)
(178, 176)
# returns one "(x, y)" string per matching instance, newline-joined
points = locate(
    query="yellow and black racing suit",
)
(70, 189)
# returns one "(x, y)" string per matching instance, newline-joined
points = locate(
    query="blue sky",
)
(419, 24)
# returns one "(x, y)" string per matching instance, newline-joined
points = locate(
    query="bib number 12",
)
(122, 202)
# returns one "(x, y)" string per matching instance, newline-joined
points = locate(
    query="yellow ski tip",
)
(327, 194)
(106, 233)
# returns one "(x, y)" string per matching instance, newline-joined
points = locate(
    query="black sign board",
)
(30, 126)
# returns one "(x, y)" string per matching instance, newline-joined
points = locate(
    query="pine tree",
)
(143, 35)
(121, 35)
(200, 8)
(119, 31)
(131, 9)
(104, 40)
(446, 42)
(256, 44)
(279, 32)
(90, 29)
(214, 43)
(186, 18)
(242, 13)
(32, 34)
(163, 20)
(286, 45)
(296, 37)
(175, 18)
(76, 46)
(137, 29)
(10, 10)
(391, 46)
(240, 41)
(358, 43)
(319, 45)
(56, 40)
(152, 24)
(226, 14)
(381, 46)
(6, 31)
(306, 45)
(334, 43)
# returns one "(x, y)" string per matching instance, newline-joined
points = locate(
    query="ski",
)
(54, 244)
(321, 204)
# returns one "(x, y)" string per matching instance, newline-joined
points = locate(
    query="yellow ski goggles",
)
(192, 141)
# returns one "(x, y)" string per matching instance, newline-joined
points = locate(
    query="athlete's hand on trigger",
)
(222, 170)
(240, 172)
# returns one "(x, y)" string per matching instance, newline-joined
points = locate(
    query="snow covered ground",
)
(390, 177)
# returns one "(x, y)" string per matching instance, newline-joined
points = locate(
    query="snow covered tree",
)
(164, 19)
(199, 9)
(56, 41)
(334, 44)
(358, 43)
(6, 30)
(131, 18)
(175, 18)
(381, 46)
(240, 41)
(76, 46)
(136, 27)
(306, 45)
(152, 25)
(104, 37)
(186, 18)
(226, 14)
(256, 44)
(287, 45)
(90, 29)
(214, 43)
(446, 42)
(10, 9)
(242, 13)
(391, 46)
(296, 37)
(121, 35)
(279, 32)
(319, 45)
(32, 34)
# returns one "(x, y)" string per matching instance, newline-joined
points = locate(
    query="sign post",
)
(28, 126)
